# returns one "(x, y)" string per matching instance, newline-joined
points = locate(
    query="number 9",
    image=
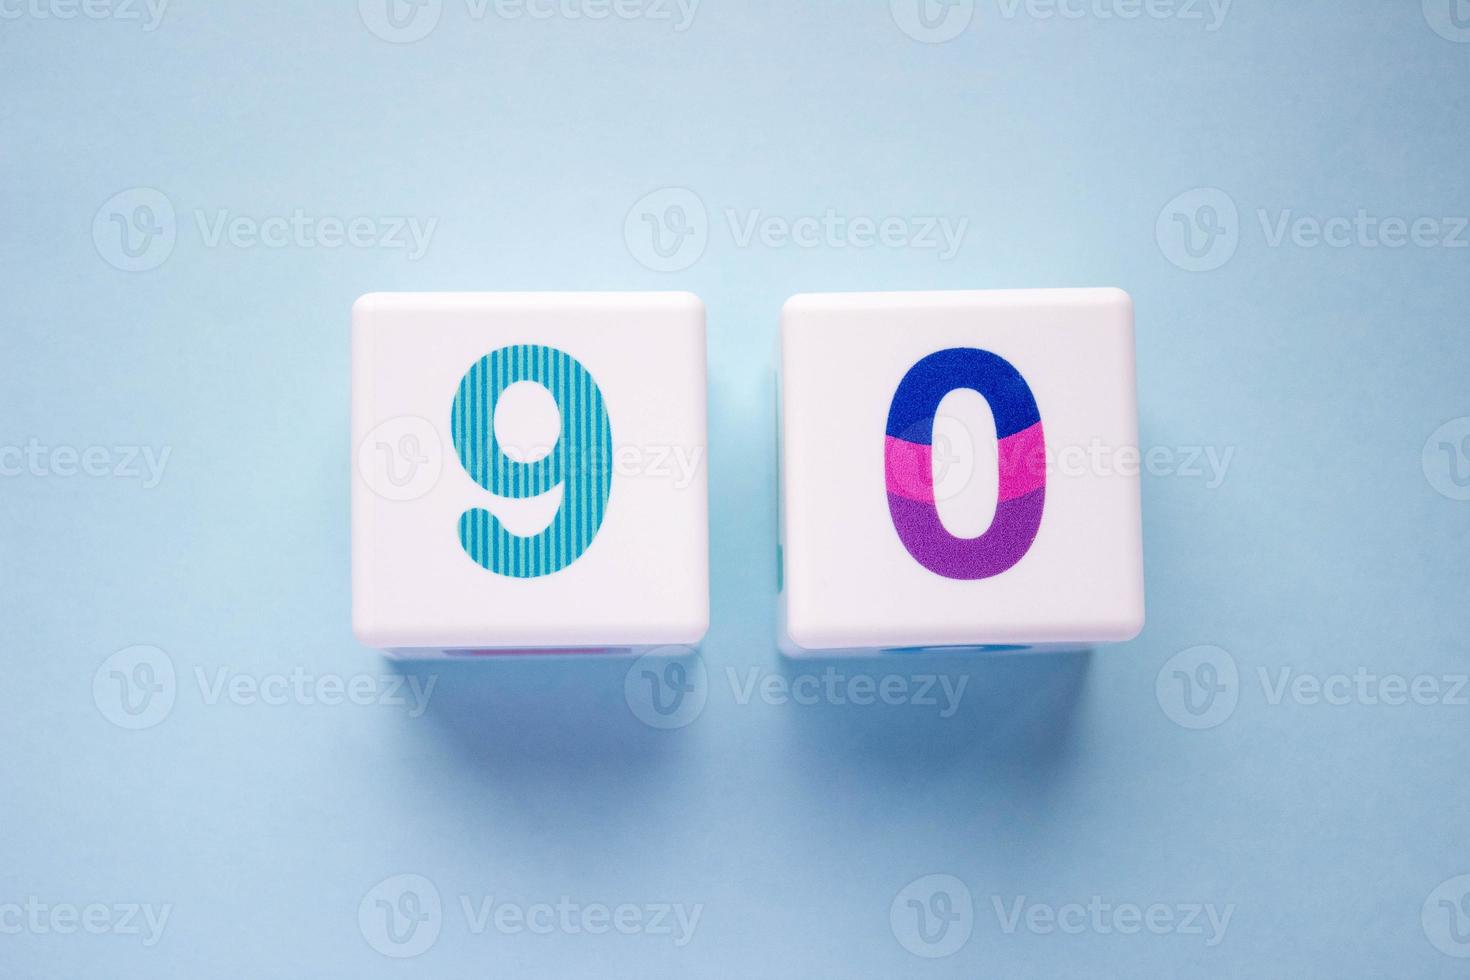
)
(580, 462)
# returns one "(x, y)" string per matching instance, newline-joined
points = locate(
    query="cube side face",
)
(873, 392)
(529, 472)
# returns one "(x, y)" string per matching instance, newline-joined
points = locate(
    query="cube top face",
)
(959, 469)
(529, 471)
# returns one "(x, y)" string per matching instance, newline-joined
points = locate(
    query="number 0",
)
(908, 464)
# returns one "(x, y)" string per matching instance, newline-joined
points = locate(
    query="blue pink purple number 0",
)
(908, 464)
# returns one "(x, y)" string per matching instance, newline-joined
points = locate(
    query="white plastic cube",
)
(959, 469)
(529, 472)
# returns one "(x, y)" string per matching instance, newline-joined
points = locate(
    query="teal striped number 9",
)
(580, 463)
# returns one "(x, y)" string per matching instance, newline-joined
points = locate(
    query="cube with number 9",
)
(529, 472)
(959, 470)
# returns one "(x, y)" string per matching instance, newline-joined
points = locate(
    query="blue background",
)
(1325, 550)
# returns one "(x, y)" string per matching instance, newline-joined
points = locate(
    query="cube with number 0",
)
(959, 470)
(529, 472)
